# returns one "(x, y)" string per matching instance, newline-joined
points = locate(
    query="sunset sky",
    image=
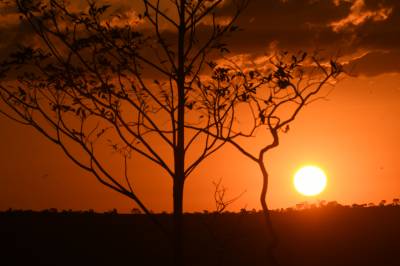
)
(353, 135)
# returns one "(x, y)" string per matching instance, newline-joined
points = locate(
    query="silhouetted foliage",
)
(221, 202)
(367, 236)
(135, 211)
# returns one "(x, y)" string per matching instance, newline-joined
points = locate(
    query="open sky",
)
(354, 135)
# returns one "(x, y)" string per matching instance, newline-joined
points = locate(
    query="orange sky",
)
(354, 136)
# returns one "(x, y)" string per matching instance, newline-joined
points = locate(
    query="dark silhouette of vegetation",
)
(328, 235)
(396, 202)
(220, 199)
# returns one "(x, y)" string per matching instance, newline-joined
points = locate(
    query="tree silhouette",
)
(272, 97)
(94, 82)
(382, 203)
(396, 202)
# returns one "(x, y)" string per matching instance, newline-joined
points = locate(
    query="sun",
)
(310, 180)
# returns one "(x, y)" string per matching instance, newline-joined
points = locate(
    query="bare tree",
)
(272, 95)
(221, 202)
(94, 81)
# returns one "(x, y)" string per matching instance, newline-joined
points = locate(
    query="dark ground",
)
(336, 236)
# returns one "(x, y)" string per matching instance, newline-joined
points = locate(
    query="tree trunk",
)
(179, 152)
(271, 234)
(178, 222)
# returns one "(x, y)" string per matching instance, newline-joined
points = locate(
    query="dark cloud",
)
(375, 63)
(293, 24)
(349, 27)
(371, 27)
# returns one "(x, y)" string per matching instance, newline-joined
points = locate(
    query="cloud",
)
(359, 30)
(375, 63)
(351, 28)
(359, 14)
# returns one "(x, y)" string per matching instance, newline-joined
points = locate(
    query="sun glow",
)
(310, 180)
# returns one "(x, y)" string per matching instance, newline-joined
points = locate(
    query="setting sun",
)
(310, 180)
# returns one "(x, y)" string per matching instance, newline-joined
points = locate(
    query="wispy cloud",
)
(359, 14)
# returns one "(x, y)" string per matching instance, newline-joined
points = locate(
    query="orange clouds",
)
(359, 14)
